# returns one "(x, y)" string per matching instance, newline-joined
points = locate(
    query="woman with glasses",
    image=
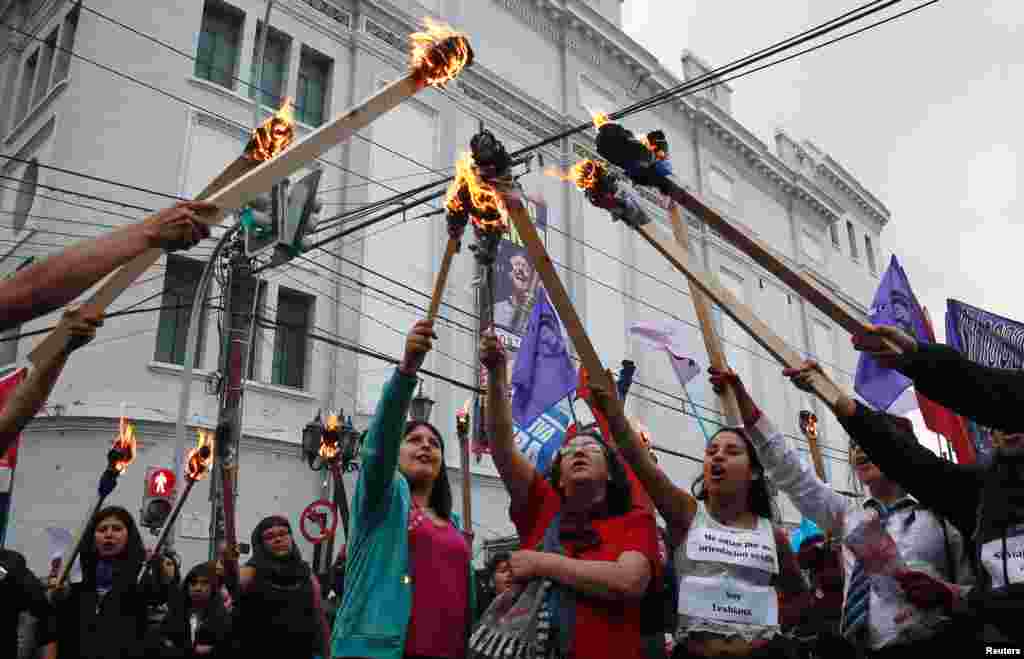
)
(409, 582)
(738, 579)
(579, 533)
(882, 534)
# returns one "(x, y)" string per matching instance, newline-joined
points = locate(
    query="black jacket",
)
(21, 591)
(971, 497)
(214, 628)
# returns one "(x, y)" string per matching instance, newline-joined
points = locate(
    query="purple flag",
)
(896, 305)
(543, 373)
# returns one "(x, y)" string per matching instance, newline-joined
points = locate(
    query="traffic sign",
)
(161, 482)
(318, 521)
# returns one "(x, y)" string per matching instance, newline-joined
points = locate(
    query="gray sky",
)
(925, 111)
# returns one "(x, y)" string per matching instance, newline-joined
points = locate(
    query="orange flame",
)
(125, 444)
(274, 135)
(600, 119)
(489, 212)
(329, 440)
(439, 53)
(586, 174)
(200, 459)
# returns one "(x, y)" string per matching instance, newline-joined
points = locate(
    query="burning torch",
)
(197, 466)
(120, 455)
(437, 55)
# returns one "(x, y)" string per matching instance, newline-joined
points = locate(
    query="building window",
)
(62, 62)
(314, 74)
(720, 183)
(28, 76)
(180, 281)
(870, 253)
(294, 311)
(833, 231)
(811, 247)
(219, 39)
(593, 98)
(45, 65)
(853, 240)
(275, 67)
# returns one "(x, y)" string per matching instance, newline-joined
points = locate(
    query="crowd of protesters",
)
(616, 560)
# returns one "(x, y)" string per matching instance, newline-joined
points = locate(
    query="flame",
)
(200, 459)
(329, 440)
(125, 444)
(274, 135)
(488, 212)
(439, 53)
(462, 418)
(585, 175)
(600, 119)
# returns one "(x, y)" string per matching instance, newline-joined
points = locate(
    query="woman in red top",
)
(604, 550)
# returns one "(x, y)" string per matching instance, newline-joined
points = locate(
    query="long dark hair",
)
(126, 564)
(441, 493)
(759, 498)
(618, 496)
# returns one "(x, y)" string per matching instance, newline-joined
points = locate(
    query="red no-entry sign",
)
(319, 521)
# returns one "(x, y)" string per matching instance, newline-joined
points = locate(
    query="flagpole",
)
(696, 414)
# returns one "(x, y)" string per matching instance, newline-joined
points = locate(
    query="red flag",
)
(942, 420)
(9, 459)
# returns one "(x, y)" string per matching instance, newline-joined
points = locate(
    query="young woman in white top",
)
(734, 567)
(878, 618)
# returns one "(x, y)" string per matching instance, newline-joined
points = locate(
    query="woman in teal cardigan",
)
(409, 589)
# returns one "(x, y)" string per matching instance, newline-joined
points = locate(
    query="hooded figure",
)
(104, 615)
(197, 618)
(280, 604)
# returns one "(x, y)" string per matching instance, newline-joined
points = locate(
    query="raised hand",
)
(492, 352)
(927, 592)
(886, 344)
(417, 344)
(178, 227)
(607, 401)
(720, 380)
(81, 323)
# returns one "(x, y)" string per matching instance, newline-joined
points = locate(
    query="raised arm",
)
(990, 396)
(52, 283)
(380, 448)
(516, 471)
(813, 498)
(902, 459)
(30, 396)
(675, 504)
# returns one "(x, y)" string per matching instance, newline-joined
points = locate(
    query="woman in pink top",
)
(438, 552)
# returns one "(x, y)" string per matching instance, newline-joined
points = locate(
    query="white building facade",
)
(170, 111)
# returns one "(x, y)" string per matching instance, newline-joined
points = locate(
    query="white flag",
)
(668, 337)
(686, 369)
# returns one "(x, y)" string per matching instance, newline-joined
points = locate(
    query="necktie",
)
(855, 616)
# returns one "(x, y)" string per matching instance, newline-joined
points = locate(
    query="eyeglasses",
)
(586, 445)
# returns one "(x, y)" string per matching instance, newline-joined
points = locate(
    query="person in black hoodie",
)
(104, 615)
(161, 583)
(21, 591)
(984, 502)
(197, 624)
(280, 610)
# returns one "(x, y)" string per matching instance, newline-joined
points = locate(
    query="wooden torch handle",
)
(712, 342)
(442, 278)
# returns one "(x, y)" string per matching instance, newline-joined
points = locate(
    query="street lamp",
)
(421, 406)
(312, 434)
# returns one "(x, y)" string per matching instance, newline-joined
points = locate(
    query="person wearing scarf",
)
(104, 615)
(409, 583)
(280, 609)
(985, 502)
(197, 624)
(732, 601)
(588, 554)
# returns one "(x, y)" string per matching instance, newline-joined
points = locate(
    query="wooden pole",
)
(556, 291)
(763, 256)
(240, 183)
(738, 311)
(712, 342)
(442, 278)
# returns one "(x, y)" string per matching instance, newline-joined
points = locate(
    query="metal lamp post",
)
(421, 406)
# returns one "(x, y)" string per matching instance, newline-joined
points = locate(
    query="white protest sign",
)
(728, 600)
(992, 558)
(751, 549)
